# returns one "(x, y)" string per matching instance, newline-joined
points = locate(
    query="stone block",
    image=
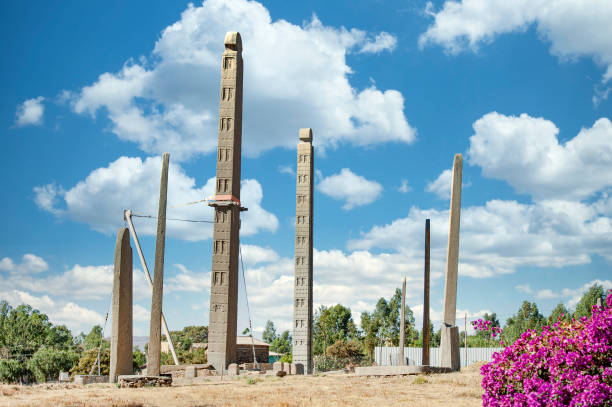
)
(190, 372)
(287, 368)
(265, 366)
(64, 377)
(277, 366)
(299, 368)
(449, 348)
(233, 370)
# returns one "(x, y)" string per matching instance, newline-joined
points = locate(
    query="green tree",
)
(282, 343)
(269, 333)
(559, 313)
(332, 324)
(527, 317)
(12, 370)
(345, 350)
(93, 340)
(88, 359)
(589, 298)
(371, 325)
(139, 358)
(46, 363)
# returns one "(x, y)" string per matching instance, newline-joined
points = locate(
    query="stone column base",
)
(449, 348)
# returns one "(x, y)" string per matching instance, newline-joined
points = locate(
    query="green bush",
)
(12, 370)
(46, 363)
(345, 350)
(325, 363)
(287, 357)
(87, 361)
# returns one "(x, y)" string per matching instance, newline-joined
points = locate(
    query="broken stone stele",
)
(224, 271)
(302, 306)
(449, 341)
(121, 336)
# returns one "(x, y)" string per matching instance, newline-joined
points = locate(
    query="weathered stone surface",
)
(449, 348)
(302, 306)
(402, 342)
(224, 271)
(233, 370)
(425, 358)
(154, 349)
(449, 344)
(121, 336)
(397, 370)
(142, 381)
(85, 379)
(190, 372)
(299, 368)
(452, 257)
(64, 376)
(287, 368)
(278, 366)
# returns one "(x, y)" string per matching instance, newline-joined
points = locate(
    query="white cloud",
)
(382, 42)
(442, 185)
(293, 75)
(75, 317)
(354, 189)
(286, 169)
(30, 264)
(546, 294)
(30, 112)
(524, 288)
(502, 235)
(525, 152)
(404, 188)
(576, 294)
(130, 183)
(573, 28)
(187, 280)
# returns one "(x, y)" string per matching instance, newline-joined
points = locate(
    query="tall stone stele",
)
(449, 341)
(121, 335)
(302, 307)
(226, 239)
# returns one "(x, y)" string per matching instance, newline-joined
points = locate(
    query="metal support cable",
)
(247, 302)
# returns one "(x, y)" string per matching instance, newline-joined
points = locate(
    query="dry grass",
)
(456, 389)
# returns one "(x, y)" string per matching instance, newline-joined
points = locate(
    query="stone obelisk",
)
(154, 349)
(226, 238)
(121, 337)
(449, 342)
(302, 307)
(426, 323)
(402, 340)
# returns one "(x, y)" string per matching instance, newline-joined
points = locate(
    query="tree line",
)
(34, 349)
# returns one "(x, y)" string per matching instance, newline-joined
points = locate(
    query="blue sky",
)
(94, 93)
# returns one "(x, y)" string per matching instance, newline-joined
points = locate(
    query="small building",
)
(274, 357)
(244, 350)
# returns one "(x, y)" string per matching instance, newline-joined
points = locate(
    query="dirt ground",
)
(456, 389)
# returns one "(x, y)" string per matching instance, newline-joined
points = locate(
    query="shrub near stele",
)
(567, 364)
(339, 355)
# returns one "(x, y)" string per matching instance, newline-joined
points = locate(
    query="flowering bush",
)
(568, 364)
(487, 326)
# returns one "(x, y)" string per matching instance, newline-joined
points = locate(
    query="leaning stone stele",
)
(302, 306)
(121, 336)
(449, 342)
(224, 271)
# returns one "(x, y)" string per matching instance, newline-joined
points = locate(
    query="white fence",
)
(387, 355)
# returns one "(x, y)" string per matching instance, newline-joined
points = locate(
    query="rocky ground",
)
(456, 389)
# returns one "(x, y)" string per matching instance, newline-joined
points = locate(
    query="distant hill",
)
(137, 341)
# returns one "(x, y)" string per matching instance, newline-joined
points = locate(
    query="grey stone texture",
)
(302, 306)
(449, 348)
(452, 257)
(233, 369)
(426, 323)
(402, 341)
(121, 334)
(190, 372)
(224, 271)
(278, 366)
(154, 349)
(449, 343)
